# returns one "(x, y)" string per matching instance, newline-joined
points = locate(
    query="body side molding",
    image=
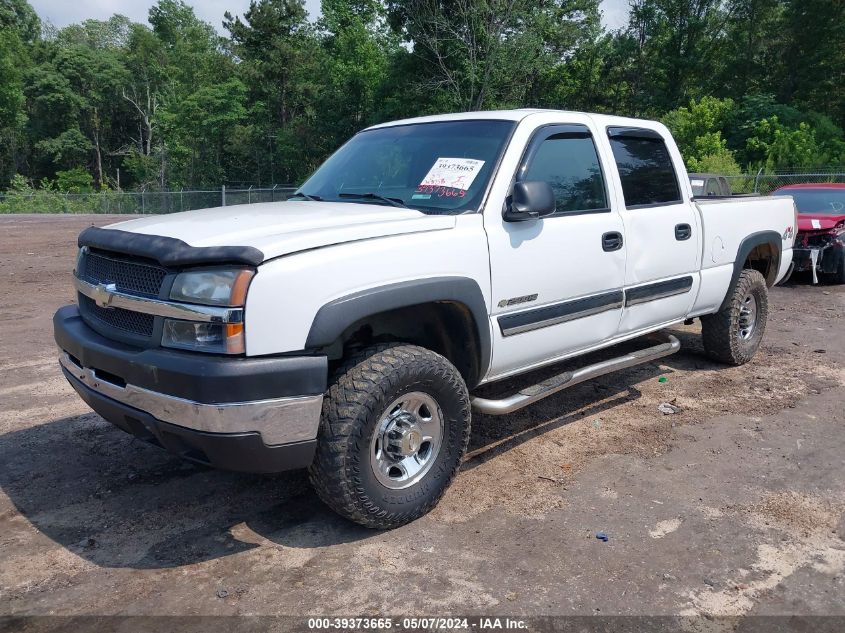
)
(659, 290)
(555, 314)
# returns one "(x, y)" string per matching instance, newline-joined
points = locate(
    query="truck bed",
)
(726, 223)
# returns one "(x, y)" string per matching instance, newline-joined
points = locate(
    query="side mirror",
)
(531, 200)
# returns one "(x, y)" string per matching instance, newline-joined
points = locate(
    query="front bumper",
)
(253, 415)
(824, 259)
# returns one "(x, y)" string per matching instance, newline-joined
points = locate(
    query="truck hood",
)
(818, 221)
(281, 228)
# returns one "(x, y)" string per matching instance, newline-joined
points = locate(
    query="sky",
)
(64, 12)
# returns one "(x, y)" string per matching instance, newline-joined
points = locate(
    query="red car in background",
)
(820, 242)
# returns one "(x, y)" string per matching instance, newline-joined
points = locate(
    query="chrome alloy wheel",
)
(407, 440)
(747, 317)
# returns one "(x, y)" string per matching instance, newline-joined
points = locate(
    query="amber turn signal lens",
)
(240, 286)
(235, 340)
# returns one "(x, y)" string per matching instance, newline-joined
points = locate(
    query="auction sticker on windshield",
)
(452, 173)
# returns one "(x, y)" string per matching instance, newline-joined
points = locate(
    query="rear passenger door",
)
(662, 232)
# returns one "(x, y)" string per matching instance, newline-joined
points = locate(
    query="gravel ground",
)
(734, 506)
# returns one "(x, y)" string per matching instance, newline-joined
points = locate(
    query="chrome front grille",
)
(126, 298)
(125, 274)
(128, 275)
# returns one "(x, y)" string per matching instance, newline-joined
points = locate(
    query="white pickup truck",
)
(346, 329)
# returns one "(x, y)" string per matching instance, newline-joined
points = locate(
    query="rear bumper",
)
(253, 415)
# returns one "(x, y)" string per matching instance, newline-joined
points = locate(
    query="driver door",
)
(557, 281)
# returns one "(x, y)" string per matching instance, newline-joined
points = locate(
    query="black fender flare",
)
(336, 316)
(762, 238)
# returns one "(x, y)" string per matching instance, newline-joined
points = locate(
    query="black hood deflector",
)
(167, 251)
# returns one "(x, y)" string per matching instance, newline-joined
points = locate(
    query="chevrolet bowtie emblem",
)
(102, 294)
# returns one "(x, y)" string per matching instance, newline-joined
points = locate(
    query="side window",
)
(570, 164)
(645, 167)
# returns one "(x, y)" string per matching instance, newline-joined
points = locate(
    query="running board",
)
(567, 379)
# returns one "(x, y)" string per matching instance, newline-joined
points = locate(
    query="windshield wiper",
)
(307, 196)
(396, 202)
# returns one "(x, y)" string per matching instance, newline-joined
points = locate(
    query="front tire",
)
(394, 430)
(734, 334)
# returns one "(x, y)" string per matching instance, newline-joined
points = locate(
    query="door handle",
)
(683, 232)
(611, 241)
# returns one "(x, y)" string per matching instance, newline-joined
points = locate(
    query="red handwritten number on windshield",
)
(442, 192)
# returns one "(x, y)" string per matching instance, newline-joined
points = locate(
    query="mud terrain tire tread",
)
(363, 386)
(719, 331)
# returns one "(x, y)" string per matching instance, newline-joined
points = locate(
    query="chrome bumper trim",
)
(278, 421)
(107, 296)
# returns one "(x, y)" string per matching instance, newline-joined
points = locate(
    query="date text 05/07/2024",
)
(415, 624)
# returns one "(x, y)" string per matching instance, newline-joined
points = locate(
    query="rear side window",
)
(568, 161)
(645, 167)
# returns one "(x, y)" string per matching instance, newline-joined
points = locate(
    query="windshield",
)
(436, 168)
(821, 201)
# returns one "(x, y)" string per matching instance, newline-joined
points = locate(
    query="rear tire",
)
(734, 334)
(394, 430)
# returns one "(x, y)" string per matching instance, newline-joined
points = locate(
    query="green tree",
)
(748, 59)
(280, 60)
(21, 18)
(76, 180)
(813, 56)
(697, 128)
(676, 43)
(356, 53)
(188, 65)
(13, 59)
(785, 149)
(74, 98)
(144, 93)
(481, 54)
(746, 123)
(172, 103)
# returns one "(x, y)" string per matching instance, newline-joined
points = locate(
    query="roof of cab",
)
(512, 115)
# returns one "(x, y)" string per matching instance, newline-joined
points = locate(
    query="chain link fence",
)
(152, 202)
(764, 184)
(146, 202)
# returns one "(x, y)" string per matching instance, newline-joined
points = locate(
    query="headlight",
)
(215, 287)
(212, 287)
(216, 338)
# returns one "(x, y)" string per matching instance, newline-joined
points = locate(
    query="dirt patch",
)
(522, 462)
(806, 525)
(799, 515)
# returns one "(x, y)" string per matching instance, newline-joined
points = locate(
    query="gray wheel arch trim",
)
(334, 317)
(763, 238)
